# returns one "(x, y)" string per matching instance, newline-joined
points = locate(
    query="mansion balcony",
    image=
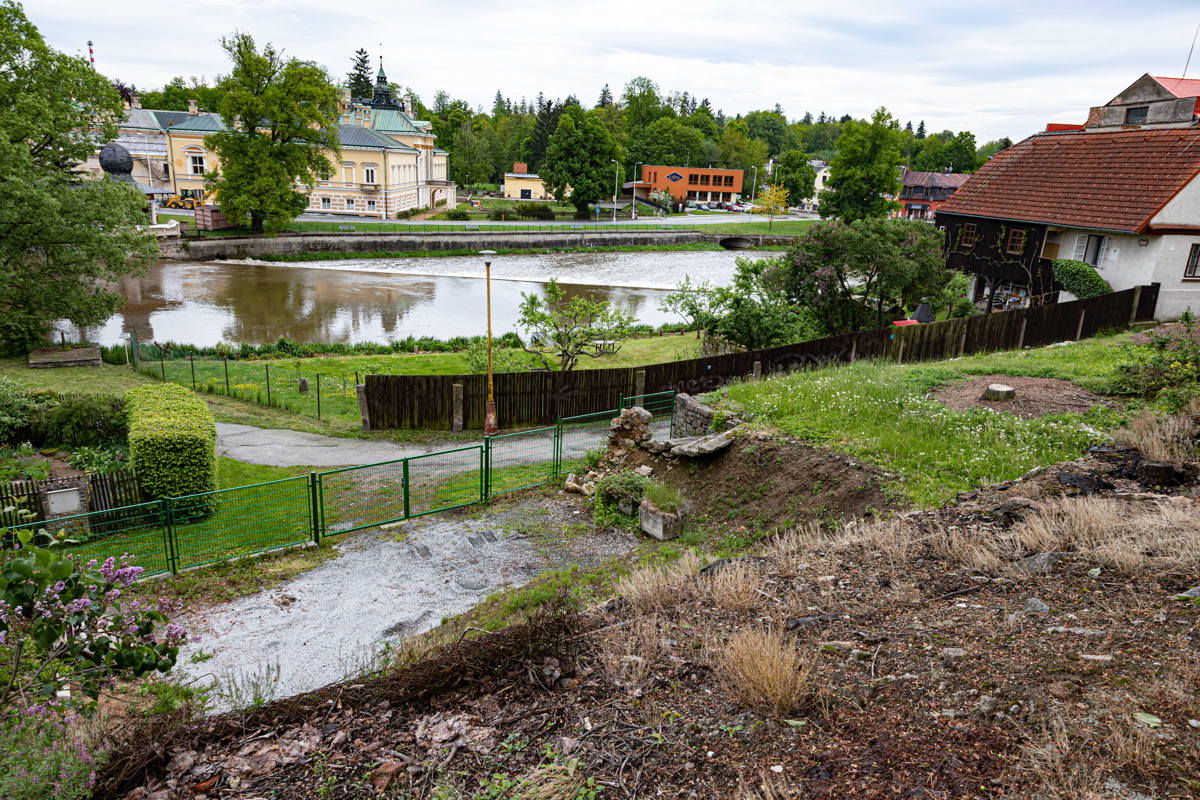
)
(369, 187)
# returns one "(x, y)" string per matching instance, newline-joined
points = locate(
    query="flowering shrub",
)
(48, 752)
(65, 624)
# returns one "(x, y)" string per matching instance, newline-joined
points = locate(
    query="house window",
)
(693, 178)
(1016, 242)
(704, 180)
(368, 174)
(197, 164)
(1136, 115)
(326, 203)
(1091, 248)
(1192, 270)
(349, 203)
(729, 180)
(969, 235)
(370, 205)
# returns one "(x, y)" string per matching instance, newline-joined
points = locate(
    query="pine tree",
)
(606, 98)
(359, 78)
(500, 106)
(921, 129)
(908, 126)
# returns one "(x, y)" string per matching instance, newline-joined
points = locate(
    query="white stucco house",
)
(1121, 192)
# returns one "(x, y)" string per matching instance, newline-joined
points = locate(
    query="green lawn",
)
(878, 412)
(782, 227)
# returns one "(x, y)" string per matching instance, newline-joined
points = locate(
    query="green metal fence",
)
(180, 533)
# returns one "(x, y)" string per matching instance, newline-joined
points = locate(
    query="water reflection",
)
(207, 303)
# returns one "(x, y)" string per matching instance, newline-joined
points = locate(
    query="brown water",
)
(369, 300)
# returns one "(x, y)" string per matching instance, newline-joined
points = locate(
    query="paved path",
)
(284, 448)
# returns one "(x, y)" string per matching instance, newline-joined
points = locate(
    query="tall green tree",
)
(472, 160)
(670, 142)
(569, 328)
(772, 128)
(865, 173)
(64, 240)
(606, 97)
(579, 156)
(989, 149)
(280, 116)
(794, 173)
(643, 105)
(359, 78)
(739, 151)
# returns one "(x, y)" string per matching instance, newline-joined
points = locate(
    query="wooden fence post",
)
(1079, 326)
(900, 352)
(639, 382)
(457, 424)
(364, 410)
(1137, 301)
(1021, 337)
(962, 341)
(756, 370)
(853, 348)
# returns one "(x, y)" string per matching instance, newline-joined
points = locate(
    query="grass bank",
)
(631, 248)
(880, 413)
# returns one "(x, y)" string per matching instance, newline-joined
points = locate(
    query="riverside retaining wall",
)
(213, 248)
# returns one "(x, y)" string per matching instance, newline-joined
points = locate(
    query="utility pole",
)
(634, 190)
(490, 422)
(753, 187)
(616, 177)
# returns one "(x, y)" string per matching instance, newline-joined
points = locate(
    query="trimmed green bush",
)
(1080, 278)
(172, 440)
(628, 486)
(82, 420)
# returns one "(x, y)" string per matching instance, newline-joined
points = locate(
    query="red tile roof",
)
(939, 180)
(1180, 87)
(1111, 181)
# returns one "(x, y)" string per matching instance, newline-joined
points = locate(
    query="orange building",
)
(701, 184)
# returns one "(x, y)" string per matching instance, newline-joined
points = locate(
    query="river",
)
(385, 299)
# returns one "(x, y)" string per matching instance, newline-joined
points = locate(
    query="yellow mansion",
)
(388, 161)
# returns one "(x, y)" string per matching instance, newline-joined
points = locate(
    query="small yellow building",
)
(388, 161)
(521, 184)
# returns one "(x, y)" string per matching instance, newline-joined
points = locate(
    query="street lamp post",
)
(753, 189)
(490, 427)
(634, 192)
(616, 177)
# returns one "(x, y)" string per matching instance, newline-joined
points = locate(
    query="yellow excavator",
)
(190, 203)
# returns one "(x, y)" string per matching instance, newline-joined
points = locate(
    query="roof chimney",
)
(520, 166)
(193, 109)
(135, 101)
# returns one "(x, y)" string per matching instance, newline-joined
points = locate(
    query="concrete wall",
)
(1161, 260)
(231, 247)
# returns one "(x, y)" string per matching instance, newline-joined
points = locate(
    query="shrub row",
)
(172, 440)
(45, 418)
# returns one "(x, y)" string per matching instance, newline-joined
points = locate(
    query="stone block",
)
(659, 524)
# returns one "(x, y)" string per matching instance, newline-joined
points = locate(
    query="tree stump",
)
(998, 391)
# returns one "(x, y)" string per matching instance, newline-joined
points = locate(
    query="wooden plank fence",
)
(539, 398)
(105, 491)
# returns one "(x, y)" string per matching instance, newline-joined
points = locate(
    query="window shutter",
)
(1080, 247)
(1102, 252)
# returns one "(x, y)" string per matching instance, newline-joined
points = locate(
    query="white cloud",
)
(991, 69)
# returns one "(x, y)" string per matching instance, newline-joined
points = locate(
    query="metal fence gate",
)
(180, 533)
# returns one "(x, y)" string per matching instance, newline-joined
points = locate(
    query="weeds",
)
(658, 587)
(763, 669)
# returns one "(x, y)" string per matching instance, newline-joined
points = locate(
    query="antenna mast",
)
(1187, 64)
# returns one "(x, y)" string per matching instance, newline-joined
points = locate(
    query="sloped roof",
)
(358, 136)
(935, 180)
(392, 121)
(169, 119)
(201, 123)
(1110, 181)
(1180, 87)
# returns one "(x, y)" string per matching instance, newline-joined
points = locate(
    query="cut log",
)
(998, 391)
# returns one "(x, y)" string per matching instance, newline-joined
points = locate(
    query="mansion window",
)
(1136, 116)
(370, 205)
(326, 203)
(349, 203)
(1192, 270)
(197, 164)
(1091, 248)
(368, 174)
(1016, 242)
(969, 235)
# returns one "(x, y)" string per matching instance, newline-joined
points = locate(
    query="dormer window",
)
(1136, 115)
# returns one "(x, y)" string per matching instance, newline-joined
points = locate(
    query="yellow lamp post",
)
(490, 426)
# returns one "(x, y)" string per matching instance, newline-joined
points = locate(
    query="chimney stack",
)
(521, 167)
(193, 109)
(135, 101)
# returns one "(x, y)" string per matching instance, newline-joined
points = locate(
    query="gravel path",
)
(326, 624)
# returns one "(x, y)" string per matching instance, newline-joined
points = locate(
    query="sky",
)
(994, 69)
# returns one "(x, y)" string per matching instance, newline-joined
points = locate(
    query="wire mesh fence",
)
(302, 391)
(179, 533)
(228, 523)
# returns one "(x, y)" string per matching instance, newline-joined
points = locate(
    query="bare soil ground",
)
(1026, 641)
(1173, 330)
(1036, 397)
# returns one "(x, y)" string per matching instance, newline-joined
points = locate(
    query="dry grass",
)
(628, 653)
(1159, 437)
(735, 587)
(655, 588)
(559, 781)
(762, 669)
(767, 787)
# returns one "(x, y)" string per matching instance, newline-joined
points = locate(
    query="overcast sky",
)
(996, 69)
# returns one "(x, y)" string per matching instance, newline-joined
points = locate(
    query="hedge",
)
(172, 441)
(1080, 278)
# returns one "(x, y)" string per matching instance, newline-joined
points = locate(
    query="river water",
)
(385, 299)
